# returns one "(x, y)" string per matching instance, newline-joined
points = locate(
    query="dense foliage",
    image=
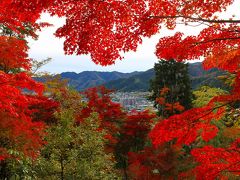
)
(105, 29)
(204, 94)
(74, 151)
(19, 132)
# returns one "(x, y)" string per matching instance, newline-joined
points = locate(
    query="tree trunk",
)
(62, 169)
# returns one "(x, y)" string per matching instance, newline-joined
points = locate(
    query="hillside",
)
(140, 82)
(200, 77)
(86, 79)
(136, 81)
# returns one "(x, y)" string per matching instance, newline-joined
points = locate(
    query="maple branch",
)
(213, 109)
(216, 39)
(197, 19)
(191, 124)
(186, 23)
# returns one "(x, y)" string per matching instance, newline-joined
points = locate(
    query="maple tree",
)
(22, 129)
(24, 109)
(132, 137)
(164, 162)
(43, 109)
(110, 113)
(15, 114)
(104, 29)
(19, 17)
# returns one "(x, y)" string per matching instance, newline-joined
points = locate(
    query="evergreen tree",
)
(174, 76)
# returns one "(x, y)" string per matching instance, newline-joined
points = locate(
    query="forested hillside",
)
(140, 82)
(137, 81)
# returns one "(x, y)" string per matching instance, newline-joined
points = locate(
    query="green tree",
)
(174, 76)
(204, 94)
(74, 150)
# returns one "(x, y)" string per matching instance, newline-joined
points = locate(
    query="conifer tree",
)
(174, 76)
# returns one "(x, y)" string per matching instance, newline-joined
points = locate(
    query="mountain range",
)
(89, 79)
(137, 81)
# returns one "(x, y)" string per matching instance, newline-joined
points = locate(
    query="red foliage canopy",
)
(18, 14)
(134, 131)
(17, 130)
(110, 113)
(215, 162)
(103, 29)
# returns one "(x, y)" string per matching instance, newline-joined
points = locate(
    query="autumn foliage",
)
(105, 29)
(18, 130)
(172, 107)
(19, 17)
(110, 114)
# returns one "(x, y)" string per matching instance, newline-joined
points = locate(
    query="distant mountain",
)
(136, 81)
(86, 79)
(140, 82)
(200, 77)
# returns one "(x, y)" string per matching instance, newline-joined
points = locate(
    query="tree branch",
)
(216, 39)
(197, 19)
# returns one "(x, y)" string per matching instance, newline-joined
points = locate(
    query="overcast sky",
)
(49, 46)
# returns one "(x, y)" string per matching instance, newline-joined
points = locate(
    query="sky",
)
(48, 46)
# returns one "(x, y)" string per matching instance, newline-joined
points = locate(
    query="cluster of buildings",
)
(133, 100)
